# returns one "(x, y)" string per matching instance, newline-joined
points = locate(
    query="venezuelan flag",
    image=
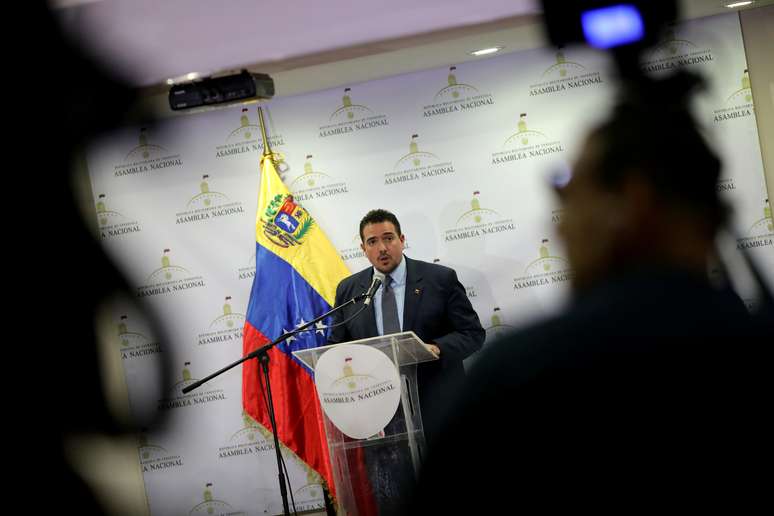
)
(297, 270)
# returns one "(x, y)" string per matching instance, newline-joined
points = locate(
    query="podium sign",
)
(368, 392)
(359, 389)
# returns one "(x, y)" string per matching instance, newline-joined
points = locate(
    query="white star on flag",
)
(320, 327)
(289, 339)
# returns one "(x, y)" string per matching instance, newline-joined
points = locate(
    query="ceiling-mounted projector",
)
(217, 90)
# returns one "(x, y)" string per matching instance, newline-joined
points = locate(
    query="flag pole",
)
(263, 357)
(267, 152)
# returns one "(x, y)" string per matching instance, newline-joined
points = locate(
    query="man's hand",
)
(434, 349)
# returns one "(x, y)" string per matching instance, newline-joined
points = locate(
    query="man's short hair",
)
(377, 216)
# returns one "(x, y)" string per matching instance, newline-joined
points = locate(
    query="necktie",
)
(390, 321)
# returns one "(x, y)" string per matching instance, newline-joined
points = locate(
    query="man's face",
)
(383, 246)
(594, 219)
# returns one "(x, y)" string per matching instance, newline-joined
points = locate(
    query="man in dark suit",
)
(425, 298)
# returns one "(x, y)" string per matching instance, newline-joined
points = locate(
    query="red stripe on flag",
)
(300, 424)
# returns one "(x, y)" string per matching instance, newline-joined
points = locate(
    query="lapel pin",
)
(417, 291)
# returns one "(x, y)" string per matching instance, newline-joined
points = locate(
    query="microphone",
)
(376, 282)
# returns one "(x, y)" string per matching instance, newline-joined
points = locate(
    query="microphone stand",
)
(262, 355)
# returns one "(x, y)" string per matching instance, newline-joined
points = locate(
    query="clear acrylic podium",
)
(391, 459)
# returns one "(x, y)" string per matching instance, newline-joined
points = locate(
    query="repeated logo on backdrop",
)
(252, 439)
(134, 344)
(478, 221)
(169, 278)
(226, 328)
(417, 164)
(525, 144)
(314, 183)
(246, 139)
(210, 505)
(207, 204)
(760, 232)
(156, 458)
(352, 117)
(256, 442)
(564, 75)
(353, 255)
(456, 97)
(247, 271)
(113, 223)
(146, 157)
(547, 269)
(310, 495)
(201, 396)
(738, 104)
(675, 52)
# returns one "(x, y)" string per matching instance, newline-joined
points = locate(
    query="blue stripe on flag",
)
(280, 299)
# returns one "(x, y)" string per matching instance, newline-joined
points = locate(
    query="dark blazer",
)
(437, 310)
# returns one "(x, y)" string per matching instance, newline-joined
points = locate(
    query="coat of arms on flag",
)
(285, 222)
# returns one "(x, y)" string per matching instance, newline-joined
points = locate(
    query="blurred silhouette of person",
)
(59, 100)
(647, 392)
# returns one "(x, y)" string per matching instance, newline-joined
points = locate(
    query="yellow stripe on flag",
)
(295, 236)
